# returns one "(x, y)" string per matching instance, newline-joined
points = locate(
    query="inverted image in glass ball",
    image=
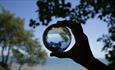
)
(57, 38)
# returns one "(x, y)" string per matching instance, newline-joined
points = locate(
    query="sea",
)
(64, 64)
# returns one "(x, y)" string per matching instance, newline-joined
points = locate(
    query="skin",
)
(80, 52)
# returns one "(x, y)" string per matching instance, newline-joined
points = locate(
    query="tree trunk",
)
(7, 56)
(4, 61)
(2, 53)
(20, 67)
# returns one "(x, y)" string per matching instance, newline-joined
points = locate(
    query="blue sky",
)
(94, 28)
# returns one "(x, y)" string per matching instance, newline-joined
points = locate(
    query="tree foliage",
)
(18, 42)
(109, 45)
(85, 9)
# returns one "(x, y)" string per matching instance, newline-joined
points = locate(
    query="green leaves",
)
(23, 46)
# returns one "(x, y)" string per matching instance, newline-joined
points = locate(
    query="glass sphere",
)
(57, 38)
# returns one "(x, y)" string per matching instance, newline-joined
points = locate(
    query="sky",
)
(94, 28)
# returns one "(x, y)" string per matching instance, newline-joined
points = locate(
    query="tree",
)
(109, 43)
(18, 43)
(84, 10)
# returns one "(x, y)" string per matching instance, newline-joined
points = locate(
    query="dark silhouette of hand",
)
(80, 52)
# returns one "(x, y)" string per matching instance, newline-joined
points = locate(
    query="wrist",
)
(94, 64)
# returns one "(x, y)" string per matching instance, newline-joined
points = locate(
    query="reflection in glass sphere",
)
(57, 38)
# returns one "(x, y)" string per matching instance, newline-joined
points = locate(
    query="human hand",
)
(80, 52)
